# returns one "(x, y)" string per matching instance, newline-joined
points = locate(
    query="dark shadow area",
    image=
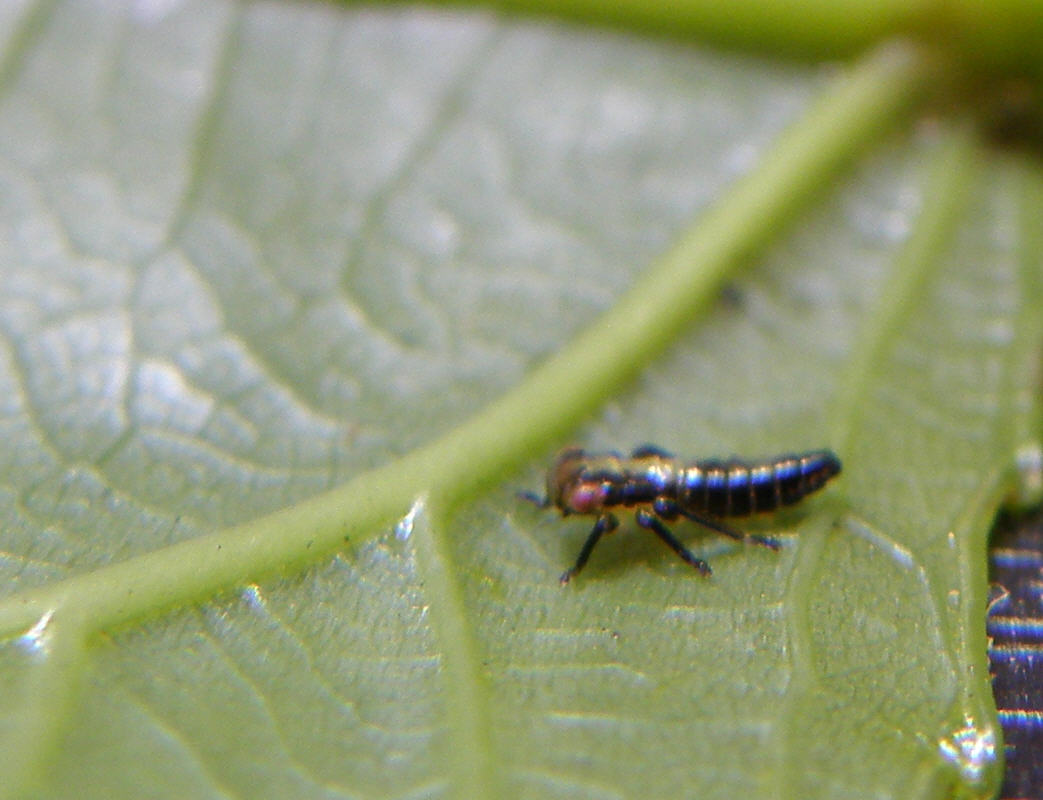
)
(1012, 115)
(1015, 629)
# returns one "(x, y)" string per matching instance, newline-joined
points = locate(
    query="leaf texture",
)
(252, 251)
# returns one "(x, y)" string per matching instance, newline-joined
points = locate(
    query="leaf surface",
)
(254, 251)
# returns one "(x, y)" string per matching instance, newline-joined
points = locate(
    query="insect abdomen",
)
(736, 488)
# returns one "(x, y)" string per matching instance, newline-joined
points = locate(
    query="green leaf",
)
(297, 299)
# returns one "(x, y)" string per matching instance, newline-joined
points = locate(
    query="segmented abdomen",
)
(737, 488)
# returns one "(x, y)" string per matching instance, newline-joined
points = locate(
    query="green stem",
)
(997, 37)
(802, 27)
(557, 396)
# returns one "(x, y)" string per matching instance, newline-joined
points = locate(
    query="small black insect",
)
(666, 488)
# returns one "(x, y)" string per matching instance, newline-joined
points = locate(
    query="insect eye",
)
(586, 497)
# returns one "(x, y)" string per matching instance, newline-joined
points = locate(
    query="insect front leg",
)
(649, 521)
(606, 524)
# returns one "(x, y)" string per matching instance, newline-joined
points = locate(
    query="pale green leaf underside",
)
(250, 252)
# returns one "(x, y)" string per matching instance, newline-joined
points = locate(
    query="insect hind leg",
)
(649, 521)
(727, 530)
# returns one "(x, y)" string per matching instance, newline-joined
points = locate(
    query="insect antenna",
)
(535, 499)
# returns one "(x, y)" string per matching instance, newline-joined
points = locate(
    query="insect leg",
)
(665, 508)
(535, 499)
(720, 527)
(649, 521)
(606, 524)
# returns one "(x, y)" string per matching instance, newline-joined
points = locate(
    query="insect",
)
(663, 488)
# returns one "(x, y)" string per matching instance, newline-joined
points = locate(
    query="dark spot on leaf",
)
(732, 297)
